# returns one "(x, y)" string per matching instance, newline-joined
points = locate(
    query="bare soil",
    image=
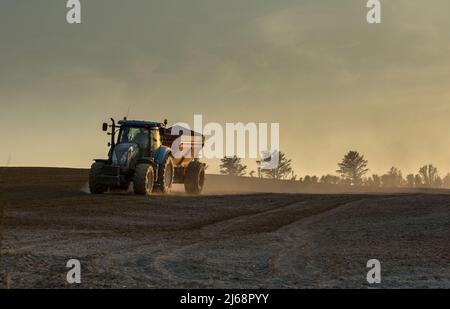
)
(265, 240)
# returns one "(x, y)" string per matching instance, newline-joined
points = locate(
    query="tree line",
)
(352, 171)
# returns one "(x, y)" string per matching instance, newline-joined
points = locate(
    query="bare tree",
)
(418, 181)
(282, 171)
(376, 180)
(293, 176)
(429, 175)
(373, 181)
(411, 180)
(446, 181)
(330, 179)
(232, 166)
(438, 182)
(353, 167)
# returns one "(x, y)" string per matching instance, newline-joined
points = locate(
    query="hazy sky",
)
(331, 80)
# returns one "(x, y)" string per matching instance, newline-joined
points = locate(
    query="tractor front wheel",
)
(94, 186)
(194, 177)
(144, 179)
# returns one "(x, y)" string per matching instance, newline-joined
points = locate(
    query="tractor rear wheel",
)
(94, 186)
(194, 178)
(165, 176)
(144, 179)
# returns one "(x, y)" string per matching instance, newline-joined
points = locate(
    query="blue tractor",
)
(142, 154)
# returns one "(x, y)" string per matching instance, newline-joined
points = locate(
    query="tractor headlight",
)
(124, 158)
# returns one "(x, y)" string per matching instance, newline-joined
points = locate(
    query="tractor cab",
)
(136, 140)
(144, 135)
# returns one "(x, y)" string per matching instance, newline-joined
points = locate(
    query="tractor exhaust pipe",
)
(113, 133)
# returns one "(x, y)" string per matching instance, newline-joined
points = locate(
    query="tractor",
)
(142, 154)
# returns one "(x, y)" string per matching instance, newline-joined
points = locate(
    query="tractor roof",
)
(141, 124)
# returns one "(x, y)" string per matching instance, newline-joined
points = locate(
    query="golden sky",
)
(331, 80)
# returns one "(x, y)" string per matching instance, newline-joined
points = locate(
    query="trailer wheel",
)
(194, 178)
(144, 179)
(165, 176)
(94, 186)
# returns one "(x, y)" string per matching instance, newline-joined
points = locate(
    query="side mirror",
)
(105, 127)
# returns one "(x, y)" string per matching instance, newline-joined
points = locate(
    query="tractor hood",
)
(124, 153)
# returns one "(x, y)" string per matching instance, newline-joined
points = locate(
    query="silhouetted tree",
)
(376, 180)
(353, 167)
(330, 179)
(346, 181)
(411, 180)
(367, 181)
(446, 181)
(438, 182)
(418, 181)
(393, 178)
(282, 171)
(429, 175)
(373, 181)
(307, 180)
(232, 166)
(293, 176)
(310, 179)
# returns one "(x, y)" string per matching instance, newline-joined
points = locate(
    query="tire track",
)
(267, 221)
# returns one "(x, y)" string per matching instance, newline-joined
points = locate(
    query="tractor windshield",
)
(139, 136)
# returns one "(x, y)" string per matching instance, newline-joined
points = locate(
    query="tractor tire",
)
(194, 178)
(94, 186)
(165, 176)
(144, 179)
